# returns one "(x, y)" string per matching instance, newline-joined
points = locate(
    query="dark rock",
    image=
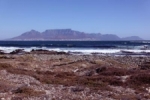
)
(77, 89)
(61, 53)
(18, 51)
(89, 73)
(2, 52)
(100, 69)
(42, 51)
(33, 50)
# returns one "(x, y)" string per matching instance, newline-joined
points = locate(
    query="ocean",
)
(81, 47)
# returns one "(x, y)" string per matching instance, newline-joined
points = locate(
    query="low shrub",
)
(139, 79)
(114, 72)
(4, 86)
(5, 66)
(28, 91)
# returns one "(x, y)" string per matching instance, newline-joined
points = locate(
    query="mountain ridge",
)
(69, 34)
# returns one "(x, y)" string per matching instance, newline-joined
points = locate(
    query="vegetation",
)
(95, 76)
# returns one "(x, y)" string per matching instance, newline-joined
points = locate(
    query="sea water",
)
(83, 47)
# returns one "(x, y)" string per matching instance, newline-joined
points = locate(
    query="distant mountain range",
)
(69, 34)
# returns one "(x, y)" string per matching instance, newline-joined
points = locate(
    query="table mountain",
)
(69, 34)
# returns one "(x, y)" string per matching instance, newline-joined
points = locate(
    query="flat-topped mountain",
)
(69, 34)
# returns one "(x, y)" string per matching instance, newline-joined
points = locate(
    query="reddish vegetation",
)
(108, 76)
(98, 76)
(26, 91)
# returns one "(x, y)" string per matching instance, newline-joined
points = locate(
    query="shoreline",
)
(78, 51)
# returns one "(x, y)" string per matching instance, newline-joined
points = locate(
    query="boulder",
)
(18, 51)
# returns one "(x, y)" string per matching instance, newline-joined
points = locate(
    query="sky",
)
(120, 17)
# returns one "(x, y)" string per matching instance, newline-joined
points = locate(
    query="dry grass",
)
(127, 97)
(26, 58)
(26, 91)
(114, 72)
(5, 66)
(100, 79)
(106, 76)
(145, 66)
(5, 86)
(139, 81)
(6, 57)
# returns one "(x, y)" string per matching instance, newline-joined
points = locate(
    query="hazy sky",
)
(120, 17)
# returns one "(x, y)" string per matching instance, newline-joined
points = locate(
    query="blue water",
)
(76, 44)
(85, 47)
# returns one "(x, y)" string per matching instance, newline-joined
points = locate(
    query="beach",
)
(51, 75)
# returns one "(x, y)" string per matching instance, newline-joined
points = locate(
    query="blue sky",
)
(120, 17)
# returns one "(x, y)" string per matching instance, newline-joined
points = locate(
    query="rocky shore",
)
(50, 75)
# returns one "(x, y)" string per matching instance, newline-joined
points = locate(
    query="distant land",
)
(69, 34)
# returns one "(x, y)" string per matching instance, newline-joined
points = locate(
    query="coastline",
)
(43, 74)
